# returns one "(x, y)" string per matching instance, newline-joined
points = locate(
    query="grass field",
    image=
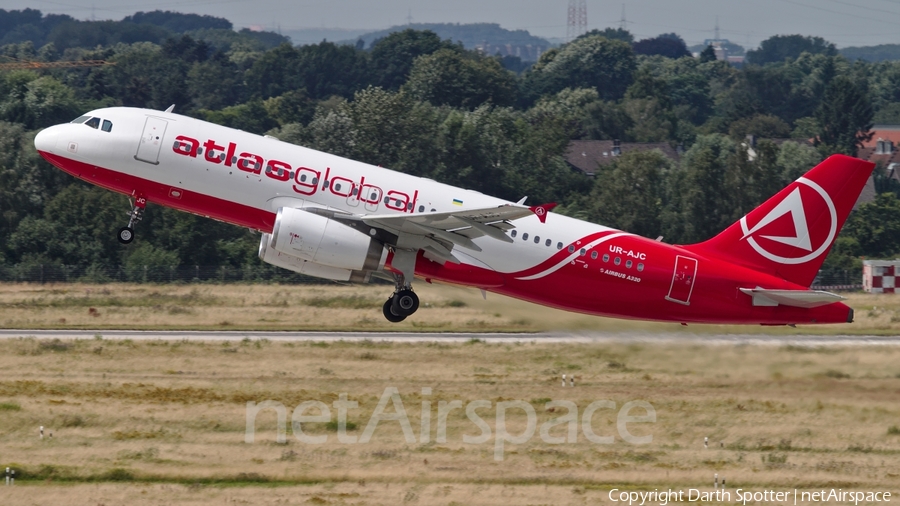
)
(345, 308)
(156, 422)
(164, 422)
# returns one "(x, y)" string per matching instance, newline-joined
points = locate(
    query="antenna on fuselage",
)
(522, 201)
(171, 108)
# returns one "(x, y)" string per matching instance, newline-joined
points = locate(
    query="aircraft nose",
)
(45, 140)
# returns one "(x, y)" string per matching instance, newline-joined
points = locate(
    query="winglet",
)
(542, 210)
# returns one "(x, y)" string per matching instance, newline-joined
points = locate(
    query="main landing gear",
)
(126, 234)
(401, 304)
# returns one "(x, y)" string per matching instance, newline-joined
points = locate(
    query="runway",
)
(415, 337)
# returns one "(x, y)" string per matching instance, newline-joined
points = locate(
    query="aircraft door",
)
(371, 196)
(151, 140)
(353, 198)
(683, 280)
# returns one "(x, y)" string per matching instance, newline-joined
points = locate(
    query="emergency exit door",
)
(151, 140)
(683, 280)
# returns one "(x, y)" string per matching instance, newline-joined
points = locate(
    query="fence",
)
(55, 273)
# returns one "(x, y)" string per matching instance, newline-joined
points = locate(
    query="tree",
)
(876, 226)
(708, 54)
(611, 34)
(570, 108)
(448, 77)
(629, 193)
(706, 206)
(214, 83)
(37, 102)
(780, 47)
(760, 125)
(667, 44)
(392, 57)
(590, 62)
(178, 22)
(392, 130)
(322, 69)
(844, 116)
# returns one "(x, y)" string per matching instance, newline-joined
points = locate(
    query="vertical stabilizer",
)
(790, 234)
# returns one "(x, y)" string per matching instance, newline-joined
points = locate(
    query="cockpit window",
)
(93, 122)
(107, 125)
(80, 119)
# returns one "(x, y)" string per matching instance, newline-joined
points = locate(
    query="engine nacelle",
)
(324, 241)
(270, 255)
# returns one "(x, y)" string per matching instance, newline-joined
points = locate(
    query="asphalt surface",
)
(558, 337)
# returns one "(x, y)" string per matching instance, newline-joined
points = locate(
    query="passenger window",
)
(337, 187)
(571, 248)
(421, 209)
(93, 122)
(594, 255)
(513, 233)
(582, 252)
(617, 261)
(537, 239)
(107, 126)
(628, 264)
(640, 267)
(409, 206)
(559, 245)
(525, 236)
(547, 244)
(606, 258)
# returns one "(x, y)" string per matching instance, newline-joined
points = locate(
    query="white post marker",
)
(42, 432)
(572, 381)
(706, 442)
(7, 476)
(723, 484)
(564, 380)
(716, 481)
(12, 479)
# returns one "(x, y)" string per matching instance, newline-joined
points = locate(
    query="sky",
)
(745, 22)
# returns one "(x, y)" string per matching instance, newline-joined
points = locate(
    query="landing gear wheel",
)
(125, 235)
(388, 311)
(405, 302)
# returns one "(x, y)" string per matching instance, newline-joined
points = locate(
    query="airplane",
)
(334, 218)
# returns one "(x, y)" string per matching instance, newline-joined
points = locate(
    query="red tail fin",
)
(790, 234)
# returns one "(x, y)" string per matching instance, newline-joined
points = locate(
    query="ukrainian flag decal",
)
(457, 202)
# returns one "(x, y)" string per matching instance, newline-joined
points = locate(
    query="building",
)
(879, 276)
(588, 156)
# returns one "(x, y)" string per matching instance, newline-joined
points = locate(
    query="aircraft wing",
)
(796, 298)
(438, 233)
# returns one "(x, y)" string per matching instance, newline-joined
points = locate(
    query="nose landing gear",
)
(126, 234)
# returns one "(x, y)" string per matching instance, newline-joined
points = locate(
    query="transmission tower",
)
(577, 19)
(623, 23)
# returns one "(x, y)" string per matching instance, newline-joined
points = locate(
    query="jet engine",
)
(318, 246)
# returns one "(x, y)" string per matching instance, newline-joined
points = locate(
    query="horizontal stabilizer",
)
(796, 298)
